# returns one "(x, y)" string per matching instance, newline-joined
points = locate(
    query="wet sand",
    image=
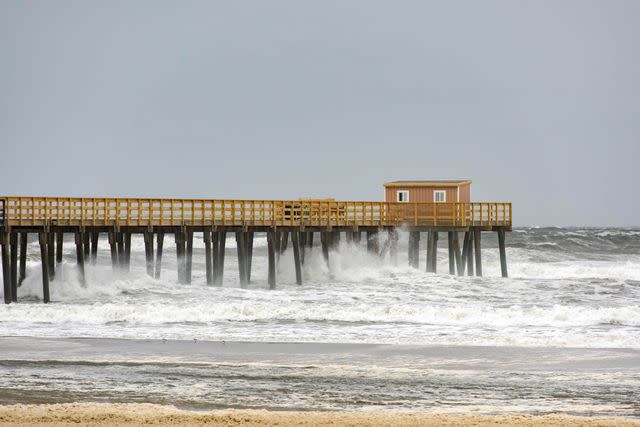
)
(103, 414)
(327, 380)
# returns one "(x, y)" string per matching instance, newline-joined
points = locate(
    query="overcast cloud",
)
(537, 102)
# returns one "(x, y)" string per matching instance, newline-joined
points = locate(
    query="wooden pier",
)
(285, 223)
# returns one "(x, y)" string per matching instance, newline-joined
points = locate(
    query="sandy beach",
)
(103, 414)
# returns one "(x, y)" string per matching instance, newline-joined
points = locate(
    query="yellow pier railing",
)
(70, 211)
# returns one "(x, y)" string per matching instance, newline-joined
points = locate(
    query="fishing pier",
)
(293, 222)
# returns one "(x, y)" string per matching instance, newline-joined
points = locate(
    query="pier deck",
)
(119, 218)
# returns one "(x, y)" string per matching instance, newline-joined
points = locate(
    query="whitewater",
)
(568, 287)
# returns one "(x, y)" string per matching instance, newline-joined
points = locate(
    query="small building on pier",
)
(453, 190)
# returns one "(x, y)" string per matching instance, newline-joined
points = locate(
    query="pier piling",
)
(271, 255)
(6, 268)
(95, 238)
(215, 255)
(222, 239)
(42, 240)
(127, 251)
(148, 252)
(159, 245)
(241, 246)
(433, 253)
(51, 259)
(13, 243)
(180, 254)
(285, 240)
(452, 257)
(23, 257)
(120, 246)
(113, 246)
(465, 252)
(373, 246)
(249, 242)
(189, 259)
(59, 243)
(470, 255)
(80, 255)
(503, 253)
(456, 250)
(414, 245)
(429, 267)
(324, 236)
(208, 260)
(303, 245)
(86, 244)
(296, 255)
(478, 250)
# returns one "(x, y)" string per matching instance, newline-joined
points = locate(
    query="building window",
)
(403, 196)
(439, 196)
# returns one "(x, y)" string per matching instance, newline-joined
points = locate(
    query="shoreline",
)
(116, 414)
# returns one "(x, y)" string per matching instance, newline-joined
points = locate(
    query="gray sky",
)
(538, 102)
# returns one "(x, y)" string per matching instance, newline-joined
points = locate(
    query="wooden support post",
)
(59, 242)
(249, 240)
(215, 255)
(302, 235)
(310, 239)
(95, 237)
(456, 251)
(86, 244)
(51, 258)
(120, 246)
(393, 249)
(285, 240)
(206, 235)
(434, 252)
(221, 253)
(296, 255)
(348, 236)
(324, 237)
(113, 244)
(372, 242)
(278, 241)
(127, 251)
(503, 253)
(13, 244)
(470, 255)
(80, 255)
(478, 250)
(414, 249)
(465, 252)
(271, 254)
(158, 268)
(376, 242)
(357, 237)
(188, 267)
(452, 256)
(148, 251)
(23, 257)
(429, 251)
(42, 240)
(335, 239)
(241, 245)
(180, 252)
(6, 267)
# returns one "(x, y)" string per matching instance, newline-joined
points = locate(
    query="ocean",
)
(562, 333)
